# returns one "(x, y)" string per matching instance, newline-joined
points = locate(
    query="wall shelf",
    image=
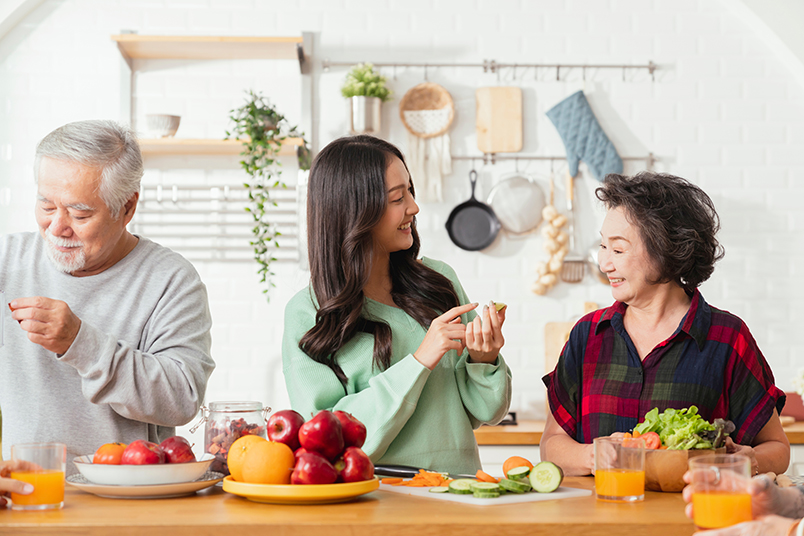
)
(187, 146)
(200, 47)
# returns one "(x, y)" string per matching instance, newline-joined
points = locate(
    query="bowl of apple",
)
(143, 463)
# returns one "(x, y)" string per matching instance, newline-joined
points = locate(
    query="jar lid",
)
(235, 406)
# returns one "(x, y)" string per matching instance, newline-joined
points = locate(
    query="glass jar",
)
(225, 422)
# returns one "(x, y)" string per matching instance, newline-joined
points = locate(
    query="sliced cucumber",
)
(518, 472)
(515, 486)
(485, 487)
(439, 489)
(546, 477)
(485, 495)
(499, 305)
(462, 486)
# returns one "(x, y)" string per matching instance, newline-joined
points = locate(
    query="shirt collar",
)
(695, 323)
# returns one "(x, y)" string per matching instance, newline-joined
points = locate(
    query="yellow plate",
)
(299, 494)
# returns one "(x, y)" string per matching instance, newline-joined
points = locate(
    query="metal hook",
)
(623, 74)
(514, 72)
(584, 73)
(558, 70)
(516, 164)
(425, 73)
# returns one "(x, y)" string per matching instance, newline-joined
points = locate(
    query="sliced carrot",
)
(485, 477)
(635, 434)
(627, 435)
(391, 480)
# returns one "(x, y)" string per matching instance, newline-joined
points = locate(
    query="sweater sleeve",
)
(384, 407)
(163, 380)
(485, 388)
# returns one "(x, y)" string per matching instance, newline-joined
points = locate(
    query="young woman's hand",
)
(7, 485)
(484, 336)
(446, 333)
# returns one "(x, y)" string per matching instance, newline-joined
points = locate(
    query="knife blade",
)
(407, 471)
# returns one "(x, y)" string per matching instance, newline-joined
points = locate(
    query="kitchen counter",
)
(530, 433)
(215, 512)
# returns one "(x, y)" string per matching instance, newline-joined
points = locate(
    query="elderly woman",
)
(660, 344)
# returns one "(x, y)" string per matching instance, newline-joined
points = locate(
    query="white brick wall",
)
(723, 112)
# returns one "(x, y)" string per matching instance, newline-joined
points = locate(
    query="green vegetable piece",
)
(485, 487)
(461, 486)
(518, 472)
(546, 477)
(486, 494)
(439, 489)
(515, 486)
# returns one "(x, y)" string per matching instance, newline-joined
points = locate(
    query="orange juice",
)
(614, 484)
(48, 487)
(714, 510)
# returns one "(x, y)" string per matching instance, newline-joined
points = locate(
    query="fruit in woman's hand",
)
(312, 468)
(499, 306)
(109, 453)
(354, 466)
(237, 454)
(284, 426)
(267, 462)
(515, 461)
(354, 431)
(177, 450)
(141, 452)
(323, 434)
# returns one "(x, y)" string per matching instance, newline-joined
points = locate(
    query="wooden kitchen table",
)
(214, 512)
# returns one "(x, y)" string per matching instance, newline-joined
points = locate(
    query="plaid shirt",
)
(600, 386)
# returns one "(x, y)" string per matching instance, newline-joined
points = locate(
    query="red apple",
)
(299, 451)
(354, 466)
(322, 434)
(141, 452)
(284, 426)
(354, 431)
(177, 450)
(312, 468)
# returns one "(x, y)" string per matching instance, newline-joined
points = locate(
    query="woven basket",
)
(430, 110)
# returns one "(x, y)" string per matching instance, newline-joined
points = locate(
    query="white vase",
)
(364, 115)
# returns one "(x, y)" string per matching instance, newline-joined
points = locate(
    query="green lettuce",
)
(679, 429)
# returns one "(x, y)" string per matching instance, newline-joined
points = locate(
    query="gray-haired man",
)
(112, 335)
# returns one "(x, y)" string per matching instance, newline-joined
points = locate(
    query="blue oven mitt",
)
(583, 138)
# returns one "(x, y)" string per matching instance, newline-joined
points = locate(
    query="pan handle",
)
(473, 180)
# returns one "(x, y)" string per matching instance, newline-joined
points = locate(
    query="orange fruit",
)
(237, 453)
(515, 461)
(268, 463)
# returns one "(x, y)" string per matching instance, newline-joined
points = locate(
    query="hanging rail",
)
(494, 67)
(492, 158)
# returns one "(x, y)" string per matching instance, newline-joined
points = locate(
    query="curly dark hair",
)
(677, 222)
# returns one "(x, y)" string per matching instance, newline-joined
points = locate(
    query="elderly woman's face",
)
(624, 259)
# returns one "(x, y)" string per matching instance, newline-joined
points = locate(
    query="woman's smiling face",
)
(624, 259)
(393, 232)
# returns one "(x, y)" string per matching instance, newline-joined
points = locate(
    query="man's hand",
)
(49, 323)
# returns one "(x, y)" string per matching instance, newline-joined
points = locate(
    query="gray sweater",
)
(138, 367)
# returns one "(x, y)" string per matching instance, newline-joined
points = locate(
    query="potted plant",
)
(365, 88)
(262, 129)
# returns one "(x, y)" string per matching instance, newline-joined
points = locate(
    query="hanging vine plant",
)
(262, 129)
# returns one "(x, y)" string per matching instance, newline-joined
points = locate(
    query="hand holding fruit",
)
(484, 338)
(446, 333)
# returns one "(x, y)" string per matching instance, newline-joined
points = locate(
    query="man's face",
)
(81, 236)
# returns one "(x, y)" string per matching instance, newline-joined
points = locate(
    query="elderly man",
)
(111, 340)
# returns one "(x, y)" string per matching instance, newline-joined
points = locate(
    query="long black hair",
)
(347, 197)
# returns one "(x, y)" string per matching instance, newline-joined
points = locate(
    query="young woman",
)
(382, 334)
(660, 344)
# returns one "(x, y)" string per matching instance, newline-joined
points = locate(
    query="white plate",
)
(161, 491)
(142, 475)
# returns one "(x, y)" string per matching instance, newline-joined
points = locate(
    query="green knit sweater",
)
(414, 416)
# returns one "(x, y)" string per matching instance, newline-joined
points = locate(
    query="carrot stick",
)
(391, 480)
(485, 477)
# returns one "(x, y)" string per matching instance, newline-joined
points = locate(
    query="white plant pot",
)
(364, 115)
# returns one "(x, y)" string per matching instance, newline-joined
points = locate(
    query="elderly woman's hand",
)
(745, 450)
(764, 526)
(8, 485)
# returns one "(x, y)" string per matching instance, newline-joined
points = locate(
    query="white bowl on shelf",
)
(142, 475)
(162, 125)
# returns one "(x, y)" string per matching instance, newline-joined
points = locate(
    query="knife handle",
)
(399, 471)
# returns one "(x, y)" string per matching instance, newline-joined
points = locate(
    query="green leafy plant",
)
(364, 81)
(262, 129)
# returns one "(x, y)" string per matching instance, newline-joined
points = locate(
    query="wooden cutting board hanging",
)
(499, 119)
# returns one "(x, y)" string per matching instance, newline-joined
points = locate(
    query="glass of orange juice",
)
(619, 469)
(47, 476)
(720, 495)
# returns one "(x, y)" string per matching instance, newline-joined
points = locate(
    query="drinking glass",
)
(720, 495)
(47, 478)
(619, 469)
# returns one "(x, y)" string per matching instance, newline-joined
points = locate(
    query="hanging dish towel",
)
(427, 112)
(583, 137)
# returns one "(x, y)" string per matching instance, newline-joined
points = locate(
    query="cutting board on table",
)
(498, 119)
(508, 498)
